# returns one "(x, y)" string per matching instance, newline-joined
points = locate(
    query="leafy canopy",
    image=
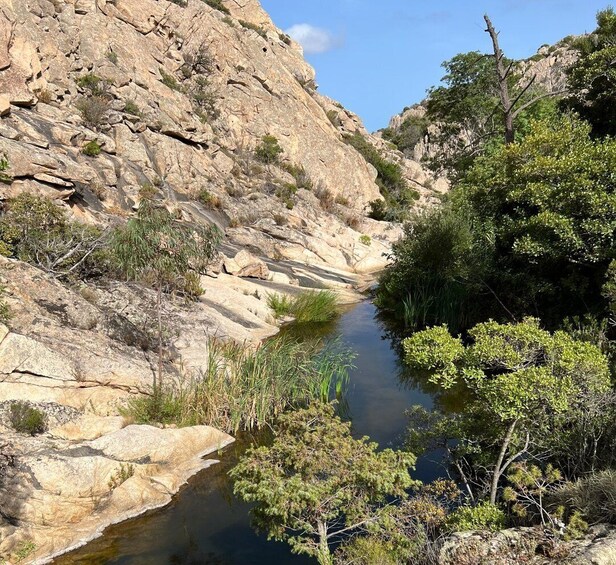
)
(158, 249)
(316, 484)
(592, 79)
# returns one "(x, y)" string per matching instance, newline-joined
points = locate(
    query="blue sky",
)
(377, 56)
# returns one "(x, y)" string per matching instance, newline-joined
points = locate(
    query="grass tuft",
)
(308, 306)
(242, 388)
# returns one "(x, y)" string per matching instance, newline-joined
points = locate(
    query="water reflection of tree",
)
(448, 401)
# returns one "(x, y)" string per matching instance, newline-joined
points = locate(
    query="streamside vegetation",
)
(506, 296)
(243, 388)
(308, 306)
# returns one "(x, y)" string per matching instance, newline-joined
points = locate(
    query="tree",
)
(551, 199)
(509, 104)
(165, 253)
(592, 78)
(316, 485)
(523, 382)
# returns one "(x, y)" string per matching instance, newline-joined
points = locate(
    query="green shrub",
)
(409, 134)
(26, 419)
(203, 99)
(394, 188)
(302, 180)
(92, 148)
(4, 165)
(269, 150)
(308, 306)
(286, 193)
(36, 230)
(169, 80)
(208, 199)
(242, 388)
(121, 475)
(130, 107)
(217, 5)
(92, 84)
(365, 239)
(484, 516)
(112, 56)
(5, 311)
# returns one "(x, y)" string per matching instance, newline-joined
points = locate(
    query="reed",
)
(243, 388)
(308, 306)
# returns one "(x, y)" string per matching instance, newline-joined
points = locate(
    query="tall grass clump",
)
(243, 388)
(308, 306)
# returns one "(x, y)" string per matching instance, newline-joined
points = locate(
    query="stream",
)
(206, 525)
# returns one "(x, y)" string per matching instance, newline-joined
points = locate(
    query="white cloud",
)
(313, 39)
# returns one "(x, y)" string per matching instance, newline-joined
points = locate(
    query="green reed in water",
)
(308, 306)
(245, 388)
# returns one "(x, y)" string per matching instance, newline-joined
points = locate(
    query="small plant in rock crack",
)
(26, 419)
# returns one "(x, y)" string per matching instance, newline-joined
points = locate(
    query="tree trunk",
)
(502, 74)
(324, 557)
(499, 462)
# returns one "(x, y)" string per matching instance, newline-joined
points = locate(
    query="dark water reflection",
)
(207, 525)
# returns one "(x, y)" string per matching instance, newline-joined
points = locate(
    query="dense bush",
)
(398, 196)
(26, 419)
(484, 516)
(412, 130)
(527, 232)
(269, 150)
(92, 149)
(36, 230)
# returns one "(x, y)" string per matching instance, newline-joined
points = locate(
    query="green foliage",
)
(593, 495)
(302, 179)
(217, 5)
(209, 200)
(156, 248)
(551, 202)
(316, 483)
(131, 107)
(528, 490)
(204, 99)
(412, 130)
(306, 307)
(365, 239)
(121, 475)
(438, 270)
(24, 550)
(268, 151)
(36, 230)
(394, 188)
(530, 230)
(592, 78)
(26, 419)
(4, 165)
(92, 148)
(484, 516)
(525, 386)
(286, 192)
(112, 56)
(5, 311)
(242, 388)
(169, 80)
(93, 84)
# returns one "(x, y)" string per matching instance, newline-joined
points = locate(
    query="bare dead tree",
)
(503, 72)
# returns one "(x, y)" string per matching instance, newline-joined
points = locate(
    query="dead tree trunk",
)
(502, 74)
